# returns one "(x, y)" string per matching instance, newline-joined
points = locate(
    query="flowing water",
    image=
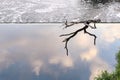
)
(57, 11)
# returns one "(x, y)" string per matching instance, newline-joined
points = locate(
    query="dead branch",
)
(69, 24)
(91, 35)
(71, 35)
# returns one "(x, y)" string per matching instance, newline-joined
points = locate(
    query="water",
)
(36, 52)
(57, 11)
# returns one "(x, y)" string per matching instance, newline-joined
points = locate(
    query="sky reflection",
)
(36, 52)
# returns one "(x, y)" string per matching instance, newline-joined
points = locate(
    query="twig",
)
(71, 35)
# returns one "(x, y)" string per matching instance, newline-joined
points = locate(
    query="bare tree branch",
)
(92, 35)
(71, 35)
(67, 39)
(69, 24)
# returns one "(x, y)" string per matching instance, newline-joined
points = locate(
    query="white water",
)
(56, 11)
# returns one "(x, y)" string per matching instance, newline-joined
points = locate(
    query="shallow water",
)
(56, 11)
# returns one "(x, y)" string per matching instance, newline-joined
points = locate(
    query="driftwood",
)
(71, 35)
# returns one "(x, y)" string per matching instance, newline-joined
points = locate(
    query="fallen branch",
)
(71, 35)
